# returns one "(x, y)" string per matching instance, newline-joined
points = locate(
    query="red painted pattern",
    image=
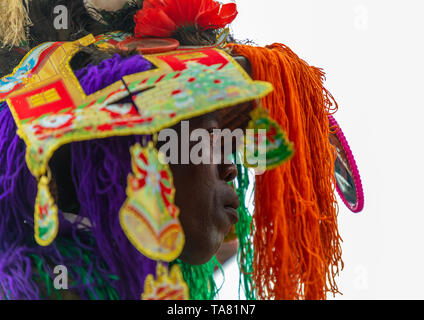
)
(24, 110)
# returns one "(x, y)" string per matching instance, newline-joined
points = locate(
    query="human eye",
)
(214, 135)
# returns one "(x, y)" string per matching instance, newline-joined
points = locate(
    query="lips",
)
(232, 213)
(231, 208)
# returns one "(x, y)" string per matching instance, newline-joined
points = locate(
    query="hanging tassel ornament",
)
(267, 133)
(149, 216)
(46, 222)
(167, 286)
(149, 219)
(14, 22)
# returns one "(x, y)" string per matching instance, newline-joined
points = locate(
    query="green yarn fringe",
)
(2, 106)
(245, 254)
(97, 288)
(200, 279)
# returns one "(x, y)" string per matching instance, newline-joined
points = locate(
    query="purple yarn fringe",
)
(93, 78)
(17, 191)
(99, 170)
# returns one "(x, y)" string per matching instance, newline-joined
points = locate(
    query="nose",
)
(228, 172)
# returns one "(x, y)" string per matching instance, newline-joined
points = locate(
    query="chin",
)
(196, 255)
(195, 259)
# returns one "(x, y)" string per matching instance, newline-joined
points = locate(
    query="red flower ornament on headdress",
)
(162, 18)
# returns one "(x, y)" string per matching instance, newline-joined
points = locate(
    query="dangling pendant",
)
(265, 138)
(46, 223)
(167, 286)
(149, 217)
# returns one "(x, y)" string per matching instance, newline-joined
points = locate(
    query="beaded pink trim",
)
(356, 177)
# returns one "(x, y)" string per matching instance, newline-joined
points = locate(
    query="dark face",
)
(207, 202)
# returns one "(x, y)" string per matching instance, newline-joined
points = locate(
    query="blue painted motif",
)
(8, 83)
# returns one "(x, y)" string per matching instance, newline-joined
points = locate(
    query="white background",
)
(372, 52)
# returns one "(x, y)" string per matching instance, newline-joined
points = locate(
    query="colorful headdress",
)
(289, 246)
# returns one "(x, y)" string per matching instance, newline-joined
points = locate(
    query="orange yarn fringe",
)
(296, 239)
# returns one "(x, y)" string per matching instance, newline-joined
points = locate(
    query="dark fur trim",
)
(9, 59)
(94, 55)
(122, 20)
(191, 36)
(80, 22)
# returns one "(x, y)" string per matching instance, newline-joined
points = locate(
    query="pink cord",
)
(356, 177)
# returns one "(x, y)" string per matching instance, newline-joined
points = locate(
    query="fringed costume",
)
(81, 181)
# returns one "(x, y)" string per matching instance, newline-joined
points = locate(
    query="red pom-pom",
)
(218, 17)
(155, 22)
(161, 18)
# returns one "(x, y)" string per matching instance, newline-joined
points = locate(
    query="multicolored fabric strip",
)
(51, 109)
